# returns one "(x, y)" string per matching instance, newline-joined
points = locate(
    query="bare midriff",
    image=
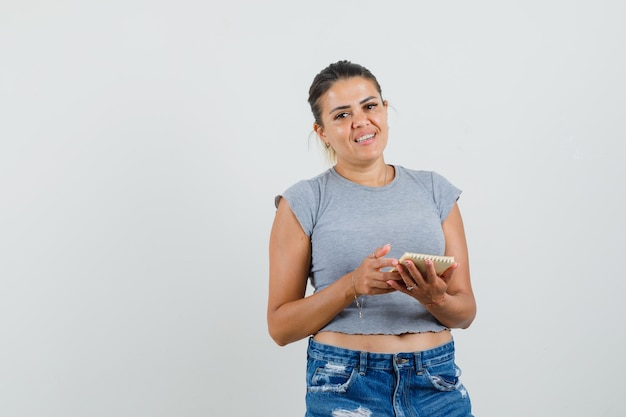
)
(385, 343)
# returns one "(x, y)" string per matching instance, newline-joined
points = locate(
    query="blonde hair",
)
(329, 153)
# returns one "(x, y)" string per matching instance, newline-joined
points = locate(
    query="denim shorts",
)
(343, 382)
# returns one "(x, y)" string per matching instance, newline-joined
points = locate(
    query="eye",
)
(341, 115)
(371, 106)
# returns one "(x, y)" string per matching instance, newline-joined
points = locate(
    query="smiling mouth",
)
(364, 138)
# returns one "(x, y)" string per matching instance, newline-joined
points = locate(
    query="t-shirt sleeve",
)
(445, 195)
(301, 199)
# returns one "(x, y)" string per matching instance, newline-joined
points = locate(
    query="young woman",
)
(379, 331)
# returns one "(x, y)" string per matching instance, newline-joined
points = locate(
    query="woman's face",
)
(354, 119)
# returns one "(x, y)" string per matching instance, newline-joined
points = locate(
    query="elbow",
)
(278, 335)
(282, 339)
(468, 320)
(280, 343)
(462, 319)
(466, 313)
(466, 324)
(278, 338)
(461, 324)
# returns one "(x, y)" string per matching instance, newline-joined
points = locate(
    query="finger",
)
(414, 274)
(447, 274)
(401, 286)
(382, 285)
(407, 276)
(377, 286)
(381, 251)
(431, 272)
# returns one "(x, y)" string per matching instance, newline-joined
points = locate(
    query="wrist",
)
(357, 300)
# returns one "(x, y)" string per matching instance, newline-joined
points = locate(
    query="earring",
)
(327, 145)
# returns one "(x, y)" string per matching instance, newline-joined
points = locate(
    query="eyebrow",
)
(365, 100)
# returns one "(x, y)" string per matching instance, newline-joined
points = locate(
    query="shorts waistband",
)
(375, 360)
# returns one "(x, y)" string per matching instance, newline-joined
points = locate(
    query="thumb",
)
(448, 273)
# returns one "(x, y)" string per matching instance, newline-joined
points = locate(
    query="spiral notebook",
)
(441, 262)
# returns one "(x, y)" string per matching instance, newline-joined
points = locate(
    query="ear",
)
(319, 130)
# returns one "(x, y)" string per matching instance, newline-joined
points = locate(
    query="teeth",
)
(366, 137)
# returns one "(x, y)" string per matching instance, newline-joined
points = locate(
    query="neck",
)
(376, 175)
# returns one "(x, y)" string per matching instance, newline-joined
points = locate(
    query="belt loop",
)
(362, 363)
(418, 362)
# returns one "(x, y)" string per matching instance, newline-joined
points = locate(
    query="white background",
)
(142, 144)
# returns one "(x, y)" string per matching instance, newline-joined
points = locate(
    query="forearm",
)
(454, 310)
(301, 318)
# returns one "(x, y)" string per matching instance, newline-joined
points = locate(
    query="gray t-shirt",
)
(347, 221)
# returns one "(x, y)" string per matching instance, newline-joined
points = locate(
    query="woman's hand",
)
(368, 279)
(428, 289)
(450, 300)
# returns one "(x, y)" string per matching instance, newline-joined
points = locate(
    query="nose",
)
(359, 119)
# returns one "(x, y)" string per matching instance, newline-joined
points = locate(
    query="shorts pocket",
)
(325, 376)
(444, 375)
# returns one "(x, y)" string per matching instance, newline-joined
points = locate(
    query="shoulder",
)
(307, 189)
(432, 183)
(421, 177)
(311, 185)
(417, 173)
(304, 199)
